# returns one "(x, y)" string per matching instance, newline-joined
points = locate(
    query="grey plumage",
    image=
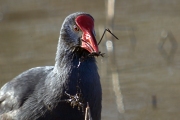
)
(39, 93)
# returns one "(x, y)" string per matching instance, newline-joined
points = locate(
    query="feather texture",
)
(39, 93)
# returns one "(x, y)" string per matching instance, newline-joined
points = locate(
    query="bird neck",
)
(67, 58)
(64, 56)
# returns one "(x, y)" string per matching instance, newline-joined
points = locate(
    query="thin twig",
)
(104, 33)
(88, 113)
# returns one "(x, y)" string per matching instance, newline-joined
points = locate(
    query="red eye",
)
(76, 28)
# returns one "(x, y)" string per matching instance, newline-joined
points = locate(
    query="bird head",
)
(78, 31)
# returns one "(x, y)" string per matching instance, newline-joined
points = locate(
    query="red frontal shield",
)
(86, 24)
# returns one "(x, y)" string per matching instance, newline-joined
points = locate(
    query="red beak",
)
(86, 24)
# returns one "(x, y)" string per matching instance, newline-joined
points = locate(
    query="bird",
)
(62, 91)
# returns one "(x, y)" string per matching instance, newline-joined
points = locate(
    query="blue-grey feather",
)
(37, 93)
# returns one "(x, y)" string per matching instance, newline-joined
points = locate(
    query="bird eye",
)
(76, 28)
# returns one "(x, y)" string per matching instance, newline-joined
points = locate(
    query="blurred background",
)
(139, 73)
